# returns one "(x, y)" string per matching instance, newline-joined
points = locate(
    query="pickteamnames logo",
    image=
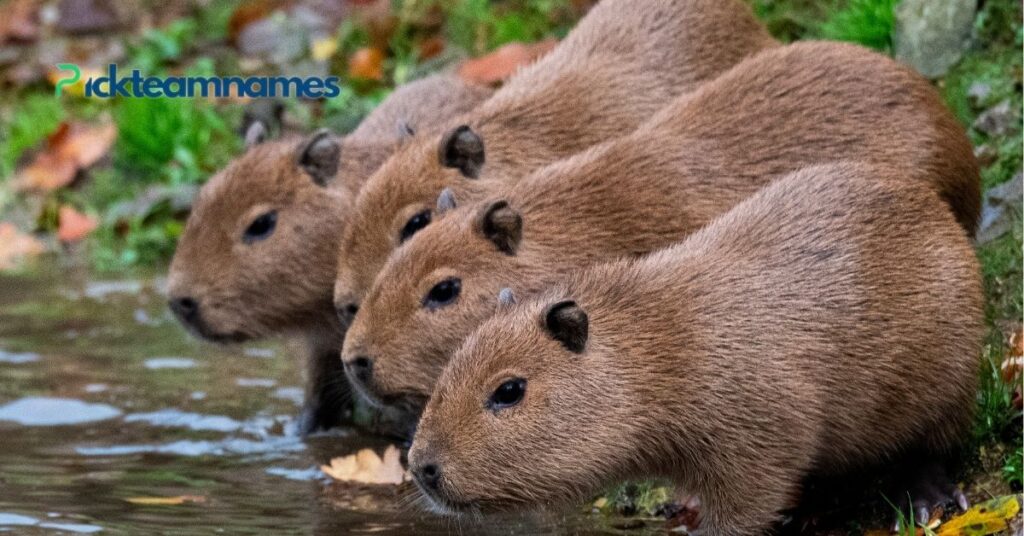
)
(138, 86)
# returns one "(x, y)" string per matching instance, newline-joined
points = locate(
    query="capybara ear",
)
(506, 298)
(502, 225)
(463, 149)
(445, 201)
(568, 324)
(319, 155)
(255, 134)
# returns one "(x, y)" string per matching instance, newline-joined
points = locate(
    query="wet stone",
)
(932, 36)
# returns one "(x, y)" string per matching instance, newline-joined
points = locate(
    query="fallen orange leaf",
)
(166, 501)
(72, 147)
(494, 68)
(15, 246)
(47, 172)
(86, 145)
(73, 225)
(365, 467)
(366, 63)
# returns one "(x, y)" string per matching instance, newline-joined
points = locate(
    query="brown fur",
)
(833, 319)
(775, 113)
(625, 60)
(283, 284)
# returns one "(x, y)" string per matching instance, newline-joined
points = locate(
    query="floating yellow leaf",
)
(989, 517)
(166, 501)
(365, 467)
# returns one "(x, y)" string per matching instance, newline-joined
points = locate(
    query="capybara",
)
(832, 320)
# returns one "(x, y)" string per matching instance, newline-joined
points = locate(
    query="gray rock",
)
(88, 16)
(979, 92)
(998, 120)
(999, 213)
(931, 35)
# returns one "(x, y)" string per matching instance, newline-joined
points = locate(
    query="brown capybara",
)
(832, 320)
(787, 108)
(257, 255)
(625, 60)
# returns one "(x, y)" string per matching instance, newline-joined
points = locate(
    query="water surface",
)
(104, 400)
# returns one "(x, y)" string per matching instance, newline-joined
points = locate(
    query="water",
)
(103, 399)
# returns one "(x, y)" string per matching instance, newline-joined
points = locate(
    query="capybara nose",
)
(185, 308)
(428, 475)
(360, 368)
(346, 313)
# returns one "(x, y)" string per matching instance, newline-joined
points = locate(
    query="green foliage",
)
(995, 413)
(480, 25)
(178, 140)
(157, 132)
(29, 122)
(343, 113)
(1013, 470)
(867, 22)
(789, 20)
(160, 46)
(644, 498)
(999, 23)
(137, 242)
(1001, 268)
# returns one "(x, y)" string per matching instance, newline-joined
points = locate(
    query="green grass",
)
(1013, 470)
(30, 121)
(479, 26)
(867, 22)
(908, 525)
(644, 498)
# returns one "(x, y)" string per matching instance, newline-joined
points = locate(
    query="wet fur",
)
(832, 320)
(625, 60)
(777, 112)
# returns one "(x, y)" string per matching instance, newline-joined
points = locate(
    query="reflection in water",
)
(157, 363)
(104, 398)
(42, 411)
(17, 358)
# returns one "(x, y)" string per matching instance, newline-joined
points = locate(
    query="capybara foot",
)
(929, 487)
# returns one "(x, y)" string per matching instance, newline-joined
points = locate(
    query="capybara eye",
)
(508, 394)
(443, 293)
(414, 224)
(260, 228)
